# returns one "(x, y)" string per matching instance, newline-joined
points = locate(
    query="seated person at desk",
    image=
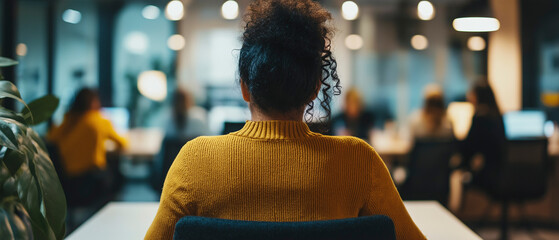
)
(431, 121)
(275, 168)
(353, 121)
(81, 142)
(483, 148)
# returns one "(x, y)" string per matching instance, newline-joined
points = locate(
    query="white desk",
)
(119, 220)
(438, 223)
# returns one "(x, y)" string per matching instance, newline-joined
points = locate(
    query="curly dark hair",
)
(286, 58)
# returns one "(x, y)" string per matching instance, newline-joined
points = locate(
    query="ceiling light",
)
(21, 49)
(230, 10)
(176, 42)
(419, 42)
(136, 42)
(71, 16)
(174, 10)
(350, 10)
(153, 85)
(354, 42)
(476, 24)
(476, 43)
(425, 10)
(150, 12)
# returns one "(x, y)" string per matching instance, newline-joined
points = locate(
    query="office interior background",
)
(138, 52)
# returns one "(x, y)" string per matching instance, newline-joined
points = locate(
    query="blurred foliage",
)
(32, 202)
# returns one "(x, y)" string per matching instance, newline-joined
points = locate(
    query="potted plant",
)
(32, 202)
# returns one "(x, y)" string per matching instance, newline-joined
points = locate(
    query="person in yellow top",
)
(275, 168)
(81, 136)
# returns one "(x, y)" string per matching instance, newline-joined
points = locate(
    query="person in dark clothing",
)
(483, 148)
(353, 121)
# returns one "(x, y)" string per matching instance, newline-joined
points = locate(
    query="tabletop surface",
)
(130, 220)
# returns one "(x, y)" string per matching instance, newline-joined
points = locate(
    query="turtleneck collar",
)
(275, 130)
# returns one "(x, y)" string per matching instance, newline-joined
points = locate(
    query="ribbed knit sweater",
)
(279, 171)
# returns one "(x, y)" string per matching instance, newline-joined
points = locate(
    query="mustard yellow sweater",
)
(81, 141)
(279, 171)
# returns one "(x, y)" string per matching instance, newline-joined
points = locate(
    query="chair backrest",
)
(428, 170)
(170, 148)
(202, 228)
(524, 171)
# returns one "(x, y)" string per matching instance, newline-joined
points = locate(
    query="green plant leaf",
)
(31, 198)
(6, 231)
(13, 160)
(8, 186)
(7, 137)
(52, 195)
(41, 108)
(17, 217)
(54, 199)
(26, 171)
(8, 114)
(6, 62)
(9, 90)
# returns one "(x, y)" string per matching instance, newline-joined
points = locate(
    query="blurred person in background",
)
(353, 121)
(431, 122)
(80, 140)
(483, 148)
(275, 168)
(187, 120)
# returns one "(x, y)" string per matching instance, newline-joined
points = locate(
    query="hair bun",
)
(290, 25)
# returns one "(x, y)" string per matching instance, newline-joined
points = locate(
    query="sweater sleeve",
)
(384, 199)
(113, 135)
(174, 200)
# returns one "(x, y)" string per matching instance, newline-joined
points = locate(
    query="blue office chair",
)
(202, 228)
(428, 170)
(170, 148)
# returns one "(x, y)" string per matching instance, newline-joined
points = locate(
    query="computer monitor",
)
(524, 124)
(119, 117)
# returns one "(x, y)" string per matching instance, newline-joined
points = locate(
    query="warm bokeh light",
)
(136, 42)
(476, 24)
(425, 10)
(476, 43)
(460, 114)
(151, 12)
(230, 10)
(21, 49)
(350, 10)
(72, 16)
(153, 85)
(174, 10)
(354, 42)
(550, 99)
(419, 42)
(176, 42)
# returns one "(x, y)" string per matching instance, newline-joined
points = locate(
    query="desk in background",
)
(392, 145)
(142, 143)
(129, 220)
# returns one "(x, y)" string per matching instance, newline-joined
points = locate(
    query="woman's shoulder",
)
(206, 141)
(348, 142)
